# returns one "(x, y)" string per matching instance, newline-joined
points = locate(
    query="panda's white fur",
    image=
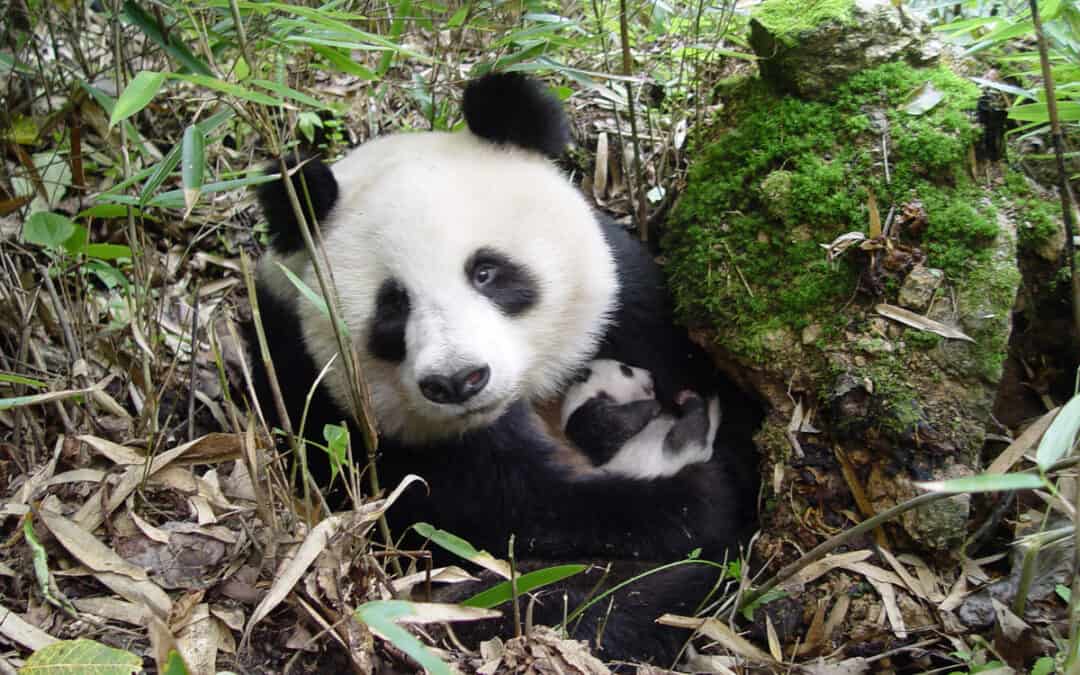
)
(644, 455)
(417, 206)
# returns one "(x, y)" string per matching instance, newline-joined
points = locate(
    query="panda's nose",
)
(457, 388)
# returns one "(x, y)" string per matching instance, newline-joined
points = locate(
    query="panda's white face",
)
(612, 379)
(470, 275)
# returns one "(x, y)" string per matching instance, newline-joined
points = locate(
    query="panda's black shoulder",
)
(316, 190)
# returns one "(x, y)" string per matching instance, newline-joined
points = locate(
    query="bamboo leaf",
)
(1068, 111)
(1059, 439)
(381, 616)
(193, 165)
(139, 92)
(172, 45)
(500, 593)
(228, 88)
(81, 656)
(986, 482)
(463, 549)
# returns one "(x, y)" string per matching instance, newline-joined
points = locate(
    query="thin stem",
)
(1064, 187)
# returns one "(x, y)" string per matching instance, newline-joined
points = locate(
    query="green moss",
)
(896, 408)
(1038, 219)
(786, 175)
(958, 231)
(787, 18)
(920, 339)
(989, 294)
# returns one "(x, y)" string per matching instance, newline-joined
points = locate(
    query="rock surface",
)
(809, 60)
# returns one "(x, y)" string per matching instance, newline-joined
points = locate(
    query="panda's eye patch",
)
(625, 370)
(510, 285)
(386, 336)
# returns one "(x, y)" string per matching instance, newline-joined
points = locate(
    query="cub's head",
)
(469, 271)
(611, 380)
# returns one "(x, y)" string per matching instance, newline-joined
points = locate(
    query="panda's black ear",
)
(321, 187)
(512, 108)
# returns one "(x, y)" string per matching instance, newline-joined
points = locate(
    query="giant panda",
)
(475, 280)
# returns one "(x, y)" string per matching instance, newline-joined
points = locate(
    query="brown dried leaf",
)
(719, 631)
(120, 576)
(919, 321)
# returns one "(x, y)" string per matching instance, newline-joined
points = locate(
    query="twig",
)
(514, 588)
(1064, 189)
(640, 214)
(194, 362)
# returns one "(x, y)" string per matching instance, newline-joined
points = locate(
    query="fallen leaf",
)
(919, 321)
(719, 631)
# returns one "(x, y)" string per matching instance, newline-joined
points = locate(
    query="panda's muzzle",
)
(457, 388)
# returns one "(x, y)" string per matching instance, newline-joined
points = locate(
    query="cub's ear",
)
(513, 109)
(322, 188)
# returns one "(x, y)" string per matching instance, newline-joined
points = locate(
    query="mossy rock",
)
(807, 48)
(775, 183)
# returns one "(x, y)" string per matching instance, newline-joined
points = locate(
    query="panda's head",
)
(470, 272)
(611, 380)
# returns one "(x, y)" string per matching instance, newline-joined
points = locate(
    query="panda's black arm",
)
(488, 485)
(600, 428)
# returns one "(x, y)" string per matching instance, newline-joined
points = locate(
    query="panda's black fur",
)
(489, 483)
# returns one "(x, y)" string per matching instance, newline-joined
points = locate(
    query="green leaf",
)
(337, 446)
(397, 27)
(343, 63)
(1068, 111)
(1044, 666)
(139, 92)
(106, 273)
(986, 482)
(81, 656)
(1059, 439)
(774, 594)
(107, 251)
(77, 242)
(502, 592)
(20, 379)
(161, 171)
(459, 17)
(462, 549)
(108, 212)
(174, 664)
(173, 45)
(48, 229)
(306, 291)
(1050, 9)
(1064, 592)
(228, 88)
(193, 165)
(289, 92)
(381, 616)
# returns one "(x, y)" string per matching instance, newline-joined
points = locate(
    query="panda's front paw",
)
(688, 401)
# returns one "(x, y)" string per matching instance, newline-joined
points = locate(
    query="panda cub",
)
(611, 414)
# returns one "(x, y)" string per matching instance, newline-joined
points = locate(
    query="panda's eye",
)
(483, 274)
(508, 284)
(626, 371)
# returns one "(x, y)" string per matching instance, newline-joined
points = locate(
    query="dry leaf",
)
(123, 578)
(919, 321)
(719, 631)
(21, 632)
(600, 174)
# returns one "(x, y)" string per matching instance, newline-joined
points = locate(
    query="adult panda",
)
(475, 280)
